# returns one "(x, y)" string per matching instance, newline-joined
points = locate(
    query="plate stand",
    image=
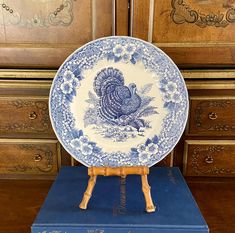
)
(143, 171)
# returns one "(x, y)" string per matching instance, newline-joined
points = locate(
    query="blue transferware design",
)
(118, 105)
(118, 101)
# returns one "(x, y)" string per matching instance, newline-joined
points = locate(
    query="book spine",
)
(114, 230)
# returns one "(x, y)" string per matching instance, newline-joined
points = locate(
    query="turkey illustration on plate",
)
(116, 104)
(118, 101)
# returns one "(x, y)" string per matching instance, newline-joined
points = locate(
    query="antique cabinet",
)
(28, 146)
(36, 37)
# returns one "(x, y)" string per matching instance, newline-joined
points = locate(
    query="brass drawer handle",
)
(209, 159)
(32, 115)
(212, 116)
(37, 158)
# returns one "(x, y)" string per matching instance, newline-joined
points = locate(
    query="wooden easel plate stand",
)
(143, 171)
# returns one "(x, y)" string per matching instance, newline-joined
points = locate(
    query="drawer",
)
(209, 158)
(29, 157)
(25, 117)
(24, 105)
(211, 116)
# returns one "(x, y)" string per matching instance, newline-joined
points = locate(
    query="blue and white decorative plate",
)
(118, 101)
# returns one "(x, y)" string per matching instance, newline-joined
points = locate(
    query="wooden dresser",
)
(36, 37)
(209, 145)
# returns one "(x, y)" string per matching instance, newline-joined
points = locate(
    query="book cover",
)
(118, 206)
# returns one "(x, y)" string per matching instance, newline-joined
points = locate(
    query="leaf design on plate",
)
(148, 111)
(92, 99)
(146, 88)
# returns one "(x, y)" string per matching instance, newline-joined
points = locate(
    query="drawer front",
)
(209, 158)
(32, 157)
(212, 117)
(25, 117)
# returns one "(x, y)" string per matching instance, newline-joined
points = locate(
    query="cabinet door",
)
(193, 33)
(42, 33)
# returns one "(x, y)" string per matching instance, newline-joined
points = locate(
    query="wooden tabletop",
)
(20, 201)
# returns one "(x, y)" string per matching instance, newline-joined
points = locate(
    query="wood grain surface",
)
(122, 18)
(210, 116)
(190, 21)
(20, 201)
(209, 158)
(44, 34)
(28, 157)
(193, 33)
(216, 201)
(25, 117)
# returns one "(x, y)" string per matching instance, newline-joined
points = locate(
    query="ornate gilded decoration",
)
(207, 155)
(44, 164)
(203, 106)
(41, 115)
(182, 13)
(60, 16)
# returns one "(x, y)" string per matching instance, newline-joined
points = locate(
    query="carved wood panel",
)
(209, 158)
(28, 157)
(212, 117)
(192, 32)
(24, 117)
(193, 21)
(43, 33)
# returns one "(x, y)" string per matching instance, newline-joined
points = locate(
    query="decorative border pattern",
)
(182, 13)
(85, 58)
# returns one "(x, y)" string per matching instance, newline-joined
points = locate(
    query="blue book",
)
(118, 205)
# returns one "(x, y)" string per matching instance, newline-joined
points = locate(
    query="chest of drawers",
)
(28, 146)
(209, 138)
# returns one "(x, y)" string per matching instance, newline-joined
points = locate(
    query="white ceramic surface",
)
(118, 101)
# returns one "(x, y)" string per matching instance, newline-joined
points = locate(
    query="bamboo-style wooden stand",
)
(93, 172)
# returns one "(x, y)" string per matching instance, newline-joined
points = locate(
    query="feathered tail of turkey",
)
(106, 81)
